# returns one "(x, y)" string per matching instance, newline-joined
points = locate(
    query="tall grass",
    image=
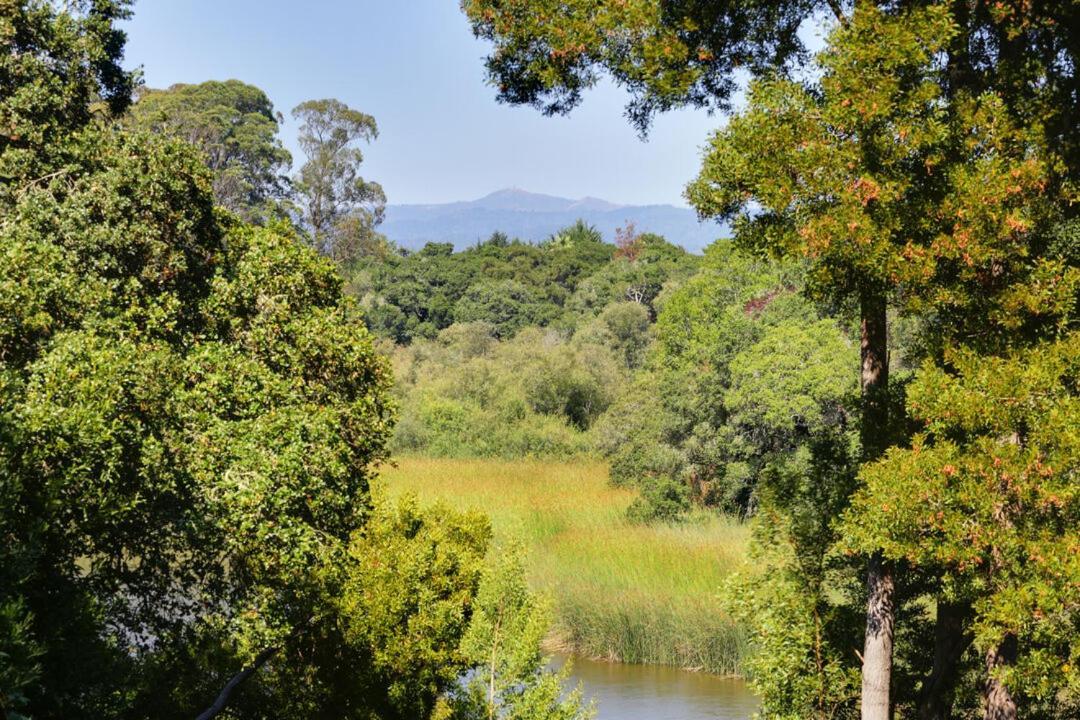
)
(622, 592)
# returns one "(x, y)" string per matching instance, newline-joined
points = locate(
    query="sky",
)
(415, 66)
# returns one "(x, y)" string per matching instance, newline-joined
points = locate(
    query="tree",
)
(885, 185)
(507, 305)
(674, 54)
(504, 643)
(340, 207)
(987, 499)
(235, 126)
(1012, 65)
(159, 407)
(58, 70)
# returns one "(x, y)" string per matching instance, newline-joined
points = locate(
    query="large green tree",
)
(235, 126)
(895, 192)
(987, 498)
(340, 208)
(675, 53)
(190, 425)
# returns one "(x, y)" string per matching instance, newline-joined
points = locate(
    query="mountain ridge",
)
(535, 216)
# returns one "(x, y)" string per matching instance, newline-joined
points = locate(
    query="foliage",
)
(19, 671)
(504, 642)
(546, 54)
(410, 589)
(688, 53)
(58, 70)
(986, 499)
(209, 407)
(468, 394)
(797, 668)
(506, 305)
(340, 208)
(624, 327)
(941, 200)
(235, 126)
(415, 295)
(745, 371)
(637, 276)
(663, 500)
(894, 184)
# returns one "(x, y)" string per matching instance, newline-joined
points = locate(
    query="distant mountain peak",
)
(515, 198)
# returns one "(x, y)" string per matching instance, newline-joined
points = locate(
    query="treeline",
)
(191, 414)
(510, 349)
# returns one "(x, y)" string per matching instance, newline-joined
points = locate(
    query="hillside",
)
(532, 216)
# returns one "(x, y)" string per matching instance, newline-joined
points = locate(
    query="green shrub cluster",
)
(468, 394)
(743, 370)
(544, 340)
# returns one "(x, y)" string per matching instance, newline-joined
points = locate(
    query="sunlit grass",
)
(623, 592)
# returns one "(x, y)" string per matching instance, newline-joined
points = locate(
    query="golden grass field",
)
(622, 591)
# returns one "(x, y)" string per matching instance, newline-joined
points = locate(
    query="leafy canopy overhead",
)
(58, 69)
(882, 182)
(667, 54)
(672, 53)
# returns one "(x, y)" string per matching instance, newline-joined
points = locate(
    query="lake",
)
(653, 692)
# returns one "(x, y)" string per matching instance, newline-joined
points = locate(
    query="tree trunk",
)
(950, 641)
(999, 702)
(878, 643)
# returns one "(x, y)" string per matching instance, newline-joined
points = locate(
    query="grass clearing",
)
(644, 594)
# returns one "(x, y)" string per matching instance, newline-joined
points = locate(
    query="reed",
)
(625, 592)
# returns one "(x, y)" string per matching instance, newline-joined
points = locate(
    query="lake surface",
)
(650, 692)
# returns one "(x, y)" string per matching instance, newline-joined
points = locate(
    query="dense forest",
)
(208, 360)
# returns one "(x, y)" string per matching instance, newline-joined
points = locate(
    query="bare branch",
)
(235, 682)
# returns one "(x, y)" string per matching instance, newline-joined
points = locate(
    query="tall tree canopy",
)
(235, 126)
(671, 53)
(340, 208)
(191, 412)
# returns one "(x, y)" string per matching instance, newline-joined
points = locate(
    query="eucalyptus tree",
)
(340, 207)
(236, 127)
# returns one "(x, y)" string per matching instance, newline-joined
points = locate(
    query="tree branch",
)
(235, 682)
(838, 11)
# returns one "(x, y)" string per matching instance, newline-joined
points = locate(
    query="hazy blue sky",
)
(416, 67)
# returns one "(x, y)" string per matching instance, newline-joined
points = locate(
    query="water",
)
(650, 692)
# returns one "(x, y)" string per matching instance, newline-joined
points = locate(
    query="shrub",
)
(662, 500)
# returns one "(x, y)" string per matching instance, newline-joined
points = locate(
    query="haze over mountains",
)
(534, 217)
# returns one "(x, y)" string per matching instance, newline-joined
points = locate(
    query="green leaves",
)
(58, 70)
(188, 426)
(988, 499)
(235, 127)
(341, 209)
(503, 642)
(548, 53)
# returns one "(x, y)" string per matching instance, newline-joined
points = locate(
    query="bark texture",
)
(999, 701)
(878, 643)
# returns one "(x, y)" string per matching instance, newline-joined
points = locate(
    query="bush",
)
(663, 500)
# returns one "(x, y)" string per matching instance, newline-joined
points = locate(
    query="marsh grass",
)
(632, 593)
